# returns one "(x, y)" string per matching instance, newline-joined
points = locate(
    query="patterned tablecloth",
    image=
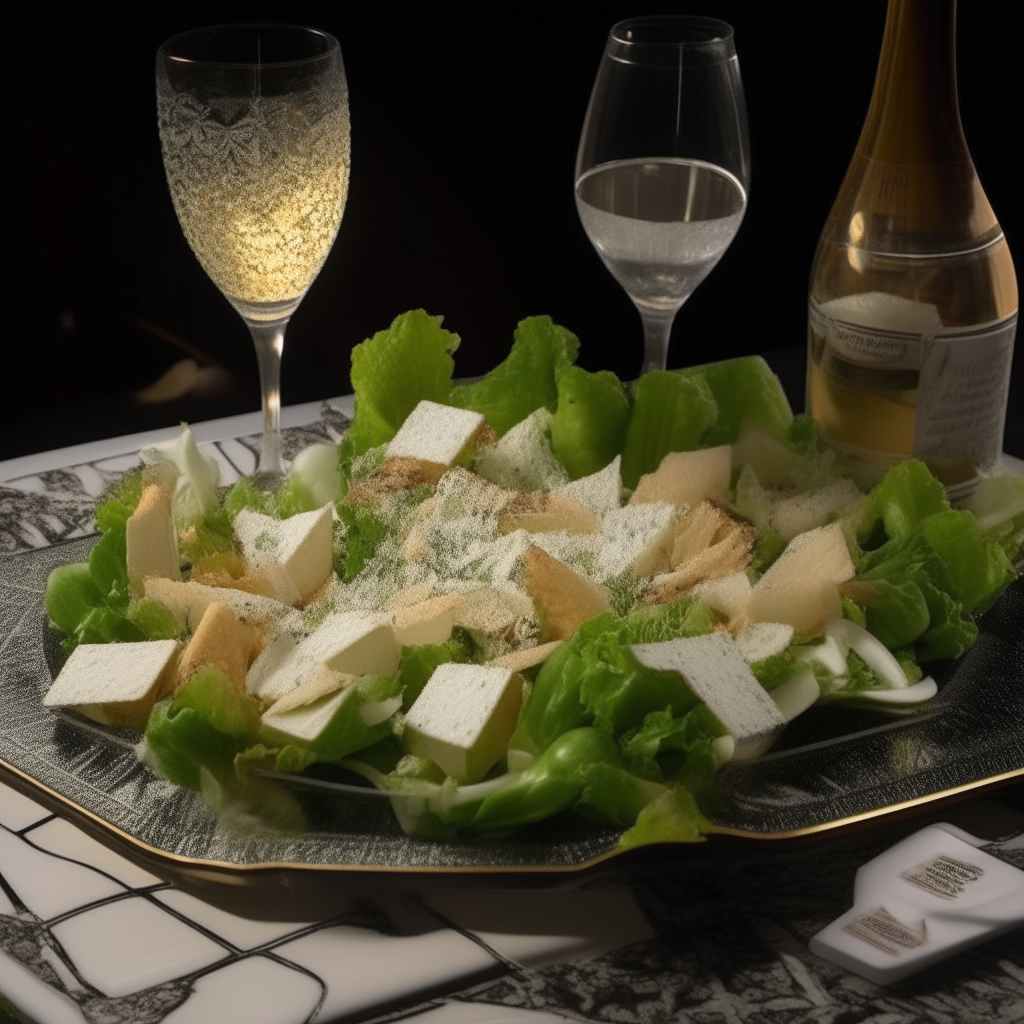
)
(87, 936)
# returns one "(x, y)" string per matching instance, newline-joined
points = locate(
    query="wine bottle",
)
(913, 297)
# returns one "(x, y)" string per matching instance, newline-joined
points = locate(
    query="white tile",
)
(34, 997)
(61, 837)
(228, 474)
(6, 906)
(131, 945)
(27, 484)
(32, 537)
(48, 885)
(363, 968)
(256, 990)
(237, 454)
(483, 1013)
(537, 928)
(239, 931)
(17, 811)
(94, 483)
(71, 984)
(119, 463)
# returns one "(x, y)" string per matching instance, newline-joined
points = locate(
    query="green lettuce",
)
(901, 501)
(588, 428)
(392, 373)
(203, 728)
(671, 413)
(525, 381)
(747, 393)
(594, 679)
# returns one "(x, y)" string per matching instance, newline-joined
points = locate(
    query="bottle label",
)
(877, 330)
(962, 374)
(963, 391)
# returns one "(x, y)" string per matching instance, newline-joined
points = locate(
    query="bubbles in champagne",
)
(259, 185)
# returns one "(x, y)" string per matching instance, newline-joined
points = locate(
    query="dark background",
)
(465, 121)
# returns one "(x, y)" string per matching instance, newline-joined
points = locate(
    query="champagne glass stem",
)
(269, 341)
(657, 330)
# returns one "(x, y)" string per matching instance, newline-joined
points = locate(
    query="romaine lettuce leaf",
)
(392, 372)
(588, 428)
(902, 500)
(525, 381)
(593, 677)
(747, 393)
(204, 727)
(672, 817)
(671, 413)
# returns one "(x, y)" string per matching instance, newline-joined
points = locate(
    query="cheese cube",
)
(221, 640)
(303, 545)
(441, 434)
(464, 718)
(522, 459)
(354, 644)
(715, 671)
(727, 594)
(302, 725)
(265, 671)
(638, 538)
(151, 539)
(800, 587)
(305, 725)
(115, 684)
(688, 478)
(189, 602)
(427, 622)
(763, 639)
(601, 492)
(349, 643)
(564, 599)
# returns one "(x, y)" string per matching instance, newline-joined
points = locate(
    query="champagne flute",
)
(663, 167)
(254, 130)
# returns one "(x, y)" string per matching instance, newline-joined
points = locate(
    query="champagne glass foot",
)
(657, 331)
(269, 341)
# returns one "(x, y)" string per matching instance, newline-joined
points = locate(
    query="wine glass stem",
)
(269, 341)
(657, 329)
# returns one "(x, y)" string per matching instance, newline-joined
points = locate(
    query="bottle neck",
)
(911, 187)
(914, 116)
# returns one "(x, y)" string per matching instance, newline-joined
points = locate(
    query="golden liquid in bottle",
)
(913, 296)
(862, 408)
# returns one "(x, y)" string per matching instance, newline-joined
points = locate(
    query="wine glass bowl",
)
(663, 169)
(254, 131)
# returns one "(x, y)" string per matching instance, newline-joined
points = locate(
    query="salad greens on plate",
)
(547, 591)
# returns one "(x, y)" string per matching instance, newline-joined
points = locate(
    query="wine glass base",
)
(266, 481)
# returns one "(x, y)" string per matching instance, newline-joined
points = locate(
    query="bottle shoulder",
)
(973, 286)
(911, 209)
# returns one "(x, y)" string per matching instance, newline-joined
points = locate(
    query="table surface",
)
(87, 936)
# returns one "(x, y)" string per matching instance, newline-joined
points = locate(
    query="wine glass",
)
(254, 130)
(663, 167)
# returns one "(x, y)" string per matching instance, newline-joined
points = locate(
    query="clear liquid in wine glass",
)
(660, 225)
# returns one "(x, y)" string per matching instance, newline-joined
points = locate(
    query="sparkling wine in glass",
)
(254, 130)
(663, 167)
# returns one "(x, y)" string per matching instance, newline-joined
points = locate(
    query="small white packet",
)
(927, 898)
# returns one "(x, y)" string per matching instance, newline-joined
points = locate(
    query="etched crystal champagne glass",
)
(254, 129)
(663, 167)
